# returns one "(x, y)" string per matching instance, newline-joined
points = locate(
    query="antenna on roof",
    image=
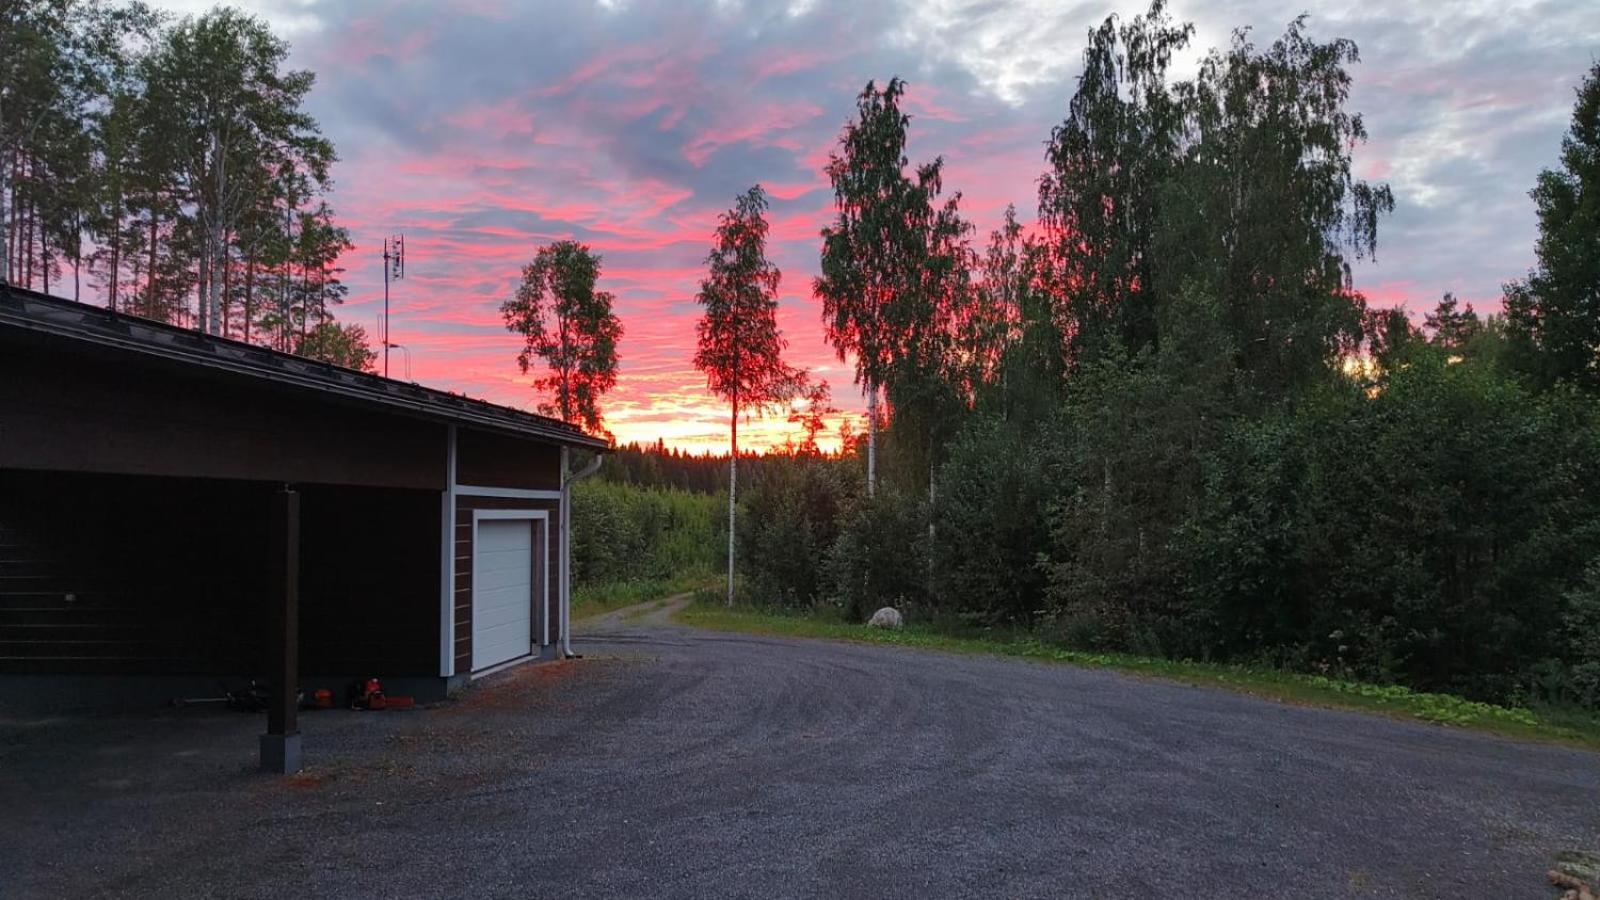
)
(394, 269)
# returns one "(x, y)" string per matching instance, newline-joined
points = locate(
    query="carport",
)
(176, 507)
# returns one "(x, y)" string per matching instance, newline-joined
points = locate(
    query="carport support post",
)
(280, 746)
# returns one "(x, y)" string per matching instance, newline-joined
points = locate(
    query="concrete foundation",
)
(280, 753)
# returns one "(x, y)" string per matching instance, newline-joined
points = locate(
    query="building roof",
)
(94, 327)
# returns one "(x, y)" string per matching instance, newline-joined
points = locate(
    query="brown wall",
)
(167, 576)
(491, 460)
(463, 586)
(369, 581)
(68, 412)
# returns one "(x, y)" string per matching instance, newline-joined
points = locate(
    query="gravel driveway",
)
(673, 762)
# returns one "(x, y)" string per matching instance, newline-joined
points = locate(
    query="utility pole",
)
(394, 268)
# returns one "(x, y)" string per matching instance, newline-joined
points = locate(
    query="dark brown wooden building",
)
(161, 490)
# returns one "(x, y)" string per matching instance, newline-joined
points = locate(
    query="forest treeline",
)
(168, 167)
(1162, 420)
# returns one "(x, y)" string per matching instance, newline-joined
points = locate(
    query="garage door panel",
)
(506, 562)
(502, 614)
(502, 591)
(504, 642)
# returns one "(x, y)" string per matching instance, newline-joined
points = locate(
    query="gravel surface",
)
(674, 762)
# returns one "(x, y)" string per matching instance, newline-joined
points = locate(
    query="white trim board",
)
(541, 547)
(473, 490)
(447, 561)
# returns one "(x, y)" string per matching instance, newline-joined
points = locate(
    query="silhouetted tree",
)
(740, 348)
(1100, 197)
(895, 282)
(567, 323)
(1452, 326)
(342, 345)
(229, 117)
(1555, 314)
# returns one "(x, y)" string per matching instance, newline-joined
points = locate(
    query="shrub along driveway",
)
(673, 762)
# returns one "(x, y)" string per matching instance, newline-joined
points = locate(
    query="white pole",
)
(872, 439)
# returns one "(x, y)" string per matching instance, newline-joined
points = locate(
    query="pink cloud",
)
(634, 146)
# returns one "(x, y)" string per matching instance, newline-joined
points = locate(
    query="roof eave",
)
(362, 387)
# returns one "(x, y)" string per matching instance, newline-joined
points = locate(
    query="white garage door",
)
(502, 591)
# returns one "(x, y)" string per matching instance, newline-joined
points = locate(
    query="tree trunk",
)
(249, 291)
(933, 532)
(27, 248)
(733, 487)
(150, 276)
(116, 253)
(5, 221)
(872, 439)
(283, 283)
(135, 271)
(566, 375)
(77, 258)
(14, 236)
(202, 288)
(227, 288)
(18, 214)
(305, 304)
(219, 248)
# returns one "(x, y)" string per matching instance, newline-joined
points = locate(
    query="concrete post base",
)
(280, 753)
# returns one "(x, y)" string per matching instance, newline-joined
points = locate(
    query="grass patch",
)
(1569, 726)
(593, 600)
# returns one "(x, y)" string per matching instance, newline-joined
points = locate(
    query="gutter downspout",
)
(567, 480)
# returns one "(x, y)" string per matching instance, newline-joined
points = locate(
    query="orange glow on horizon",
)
(758, 436)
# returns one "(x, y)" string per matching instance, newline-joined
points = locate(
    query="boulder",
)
(888, 617)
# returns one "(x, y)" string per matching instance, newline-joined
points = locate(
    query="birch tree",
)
(895, 282)
(859, 274)
(1100, 197)
(740, 346)
(567, 323)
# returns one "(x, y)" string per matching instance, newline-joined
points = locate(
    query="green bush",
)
(1134, 433)
(990, 522)
(622, 532)
(881, 555)
(788, 521)
(1580, 682)
(1430, 532)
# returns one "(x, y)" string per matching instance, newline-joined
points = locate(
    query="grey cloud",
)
(1464, 103)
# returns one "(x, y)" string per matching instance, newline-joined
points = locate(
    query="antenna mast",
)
(394, 268)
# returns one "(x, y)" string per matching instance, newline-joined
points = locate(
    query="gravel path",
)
(675, 762)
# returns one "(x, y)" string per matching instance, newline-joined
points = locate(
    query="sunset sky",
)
(483, 129)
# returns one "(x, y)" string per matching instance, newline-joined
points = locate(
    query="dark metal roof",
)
(93, 326)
